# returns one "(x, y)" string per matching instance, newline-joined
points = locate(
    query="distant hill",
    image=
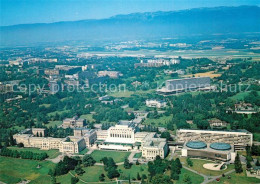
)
(199, 21)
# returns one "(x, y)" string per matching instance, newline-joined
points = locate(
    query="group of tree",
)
(238, 165)
(88, 161)
(110, 167)
(127, 164)
(158, 166)
(176, 167)
(189, 162)
(64, 166)
(23, 154)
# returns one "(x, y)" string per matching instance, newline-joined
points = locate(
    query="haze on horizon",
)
(14, 12)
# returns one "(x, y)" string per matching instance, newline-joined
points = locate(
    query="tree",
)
(20, 145)
(248, 164)
(187, 179)
(102, 177)
(166, 135)
(127, 164)
(12, 141)
(79, 170)
(53, 180)
(88, 161)
(137, 162)
(161, 179)
(189, 162)
(257, 163)
(138, 176)
(112, 173)
(238, 165)
(74, 180)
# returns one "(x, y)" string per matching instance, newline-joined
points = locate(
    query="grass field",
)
(50, 153)
(58, 112)
(117, 156)
(13, 170)
(120, 94)
(195, 178)
(237, 179)
(125, 173)
(53, 123)
(137, 155)
(160, 122)
(241, 95)
(92, 174)
(198, 166)
(88, 117)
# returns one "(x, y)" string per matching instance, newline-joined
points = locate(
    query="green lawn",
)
(92, 174)
(53, 123)
(88, 117)
(13, 170)
(125, 173)
(198, 166)
(64, 179)
(160, 122)
(137, 155)
(58, 112)
(116, 155)
(237, 179)
(120, 94)
(51, 153)
(241, 95)
(195, 178)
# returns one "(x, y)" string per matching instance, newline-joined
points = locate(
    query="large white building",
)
(239, 138)
(155, 103)
(124, 137)
(65, 145)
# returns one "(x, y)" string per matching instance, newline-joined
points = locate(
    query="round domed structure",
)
(196, 144)
(220, 146)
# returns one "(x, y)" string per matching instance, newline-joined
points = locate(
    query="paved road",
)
(215, 177)
(206, 177)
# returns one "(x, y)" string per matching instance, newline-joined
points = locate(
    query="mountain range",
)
(150, 25)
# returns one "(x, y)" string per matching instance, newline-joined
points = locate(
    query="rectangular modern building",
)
(239, 138)
(185, 85)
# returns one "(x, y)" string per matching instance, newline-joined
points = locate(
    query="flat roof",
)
(216, 131)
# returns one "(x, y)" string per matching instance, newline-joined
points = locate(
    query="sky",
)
(46, 11)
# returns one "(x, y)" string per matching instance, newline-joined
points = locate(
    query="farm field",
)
(210, 74)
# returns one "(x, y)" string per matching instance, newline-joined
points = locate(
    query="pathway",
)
(208, 179)
(57, 159)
